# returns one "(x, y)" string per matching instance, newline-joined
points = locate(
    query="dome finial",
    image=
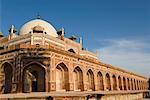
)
(38, 16)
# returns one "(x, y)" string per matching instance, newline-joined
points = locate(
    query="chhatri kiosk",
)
(39, 59)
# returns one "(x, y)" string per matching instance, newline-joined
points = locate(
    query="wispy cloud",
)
(132, 55)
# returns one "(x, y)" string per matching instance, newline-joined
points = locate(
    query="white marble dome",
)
(28, 27)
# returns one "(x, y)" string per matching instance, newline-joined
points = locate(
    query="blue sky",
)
(117, 29)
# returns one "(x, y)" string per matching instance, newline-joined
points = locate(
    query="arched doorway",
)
(120, 83)
(124, 83)
(33, 78)
(78, 79)
(6, 74)
(114, 82)
(100, 81)
(90, 80)
(108, 84)
(62, 77)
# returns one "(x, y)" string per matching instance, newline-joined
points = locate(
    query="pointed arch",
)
(128, 82)
(7, 72)
(90, 80)
(132, 84)
(100, 81)
(34, 79)
(78, 79)
(124, 83)
(62, 77)
(114, 82)
(135, 85)
(120, 83)
(108, 84)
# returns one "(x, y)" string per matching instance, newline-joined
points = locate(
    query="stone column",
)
(52, 80)
(71, 83)
(96, 81)
(32, 38)
(111, 81)
(85, 80)
(104, 81)
(117, 82)
(46, 80)
(126, 81)
(20, 70)
(122, 83)
(130, 83)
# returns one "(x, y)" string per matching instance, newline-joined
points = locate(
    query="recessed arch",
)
(132, 84)
(124, 83)
(108, 84)
(114, 82)
(7, 73)
(78, 79)
(62, 77)
(34, 78)
(90, 80)
(128, 82)
(137, 84)
(100, 81)
(120, 83)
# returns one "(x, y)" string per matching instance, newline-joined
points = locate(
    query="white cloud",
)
(131, 55)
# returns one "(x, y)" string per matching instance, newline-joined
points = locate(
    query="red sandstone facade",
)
(43, 60)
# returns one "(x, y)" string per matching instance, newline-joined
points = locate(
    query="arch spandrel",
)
(80, 66)
(35, 62)
(60, 61)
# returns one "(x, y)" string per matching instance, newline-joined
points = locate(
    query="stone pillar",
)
(122, 83)
(104, 81)
(134, 86)
(126, 81)
(20, 69)
(96, 81)
(111, 81)
(46, 80)
(138, 85)
(130, 83)
(71, 83)
(32, 38)
(52, 78)
(52, 82)
(85, 81)
(117, 82)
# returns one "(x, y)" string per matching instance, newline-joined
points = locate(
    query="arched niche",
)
(120, 83)
(100, 81)
(114, 82)
(90, 80)
(6, 73)
(62, 77)
(108, 84)
(78, 79)
(34, 78)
